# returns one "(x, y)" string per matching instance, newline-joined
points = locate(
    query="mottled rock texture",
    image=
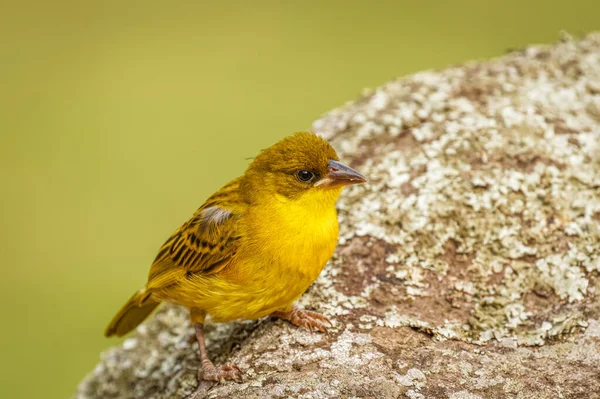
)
(469, 267)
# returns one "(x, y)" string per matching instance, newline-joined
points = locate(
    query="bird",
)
(252, 248)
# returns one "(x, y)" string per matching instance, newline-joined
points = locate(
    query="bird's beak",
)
(338, 175)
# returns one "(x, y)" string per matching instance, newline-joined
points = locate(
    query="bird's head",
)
(300, 165)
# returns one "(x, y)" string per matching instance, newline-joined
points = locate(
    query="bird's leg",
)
(207, 370)
(304, 318)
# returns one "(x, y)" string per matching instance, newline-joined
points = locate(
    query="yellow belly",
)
(283, 251)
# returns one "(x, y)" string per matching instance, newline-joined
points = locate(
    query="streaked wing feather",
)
(204, 244)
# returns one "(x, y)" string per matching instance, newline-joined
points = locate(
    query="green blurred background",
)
(119, 118)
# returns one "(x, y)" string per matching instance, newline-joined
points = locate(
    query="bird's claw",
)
(305, 318)
(209, 372)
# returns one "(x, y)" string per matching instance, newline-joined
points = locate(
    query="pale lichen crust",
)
(484, 195)
(467, 268)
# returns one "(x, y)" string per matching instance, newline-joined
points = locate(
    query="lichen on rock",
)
(468, 267)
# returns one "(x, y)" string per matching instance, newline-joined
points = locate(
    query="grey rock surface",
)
(468, 268)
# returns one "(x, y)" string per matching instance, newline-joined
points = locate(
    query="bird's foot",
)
(209, 372)
(304, 318)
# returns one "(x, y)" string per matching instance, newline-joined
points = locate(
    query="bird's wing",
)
(205, 244)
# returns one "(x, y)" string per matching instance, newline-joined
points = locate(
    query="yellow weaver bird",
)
(253, 247)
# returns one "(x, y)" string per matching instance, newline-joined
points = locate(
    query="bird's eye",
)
(304, 176)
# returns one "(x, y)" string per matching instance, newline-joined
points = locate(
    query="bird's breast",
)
(292, 242)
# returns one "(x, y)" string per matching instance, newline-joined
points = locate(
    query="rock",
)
(469, 267)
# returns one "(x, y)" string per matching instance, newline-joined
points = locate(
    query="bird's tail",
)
(137, 308)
